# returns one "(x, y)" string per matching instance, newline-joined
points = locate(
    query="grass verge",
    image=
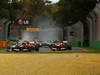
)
(92, 50)
(38, 52)
(2, 48)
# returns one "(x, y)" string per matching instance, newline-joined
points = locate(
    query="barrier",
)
(4, 44)
(95, 44)
(75, 44)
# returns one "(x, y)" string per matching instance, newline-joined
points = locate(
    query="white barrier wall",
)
(77, 30)
(97, 11)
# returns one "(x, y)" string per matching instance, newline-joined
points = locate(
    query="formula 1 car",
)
(60, 46)
(24, 46)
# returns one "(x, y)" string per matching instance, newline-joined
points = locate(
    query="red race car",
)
(24, 46)
(60, 46)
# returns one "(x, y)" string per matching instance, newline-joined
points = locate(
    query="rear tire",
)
(37, 49)
(58, 49)
(9, 50)
(53, 50)
(69, 48)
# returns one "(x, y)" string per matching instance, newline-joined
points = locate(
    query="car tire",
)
(53, 50)
(58, 49)
(69, 48)
(37, 49)
(9, 50)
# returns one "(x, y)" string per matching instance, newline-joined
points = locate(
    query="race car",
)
(60, 46)
(24, 46)
(14, 48)
(36, 45)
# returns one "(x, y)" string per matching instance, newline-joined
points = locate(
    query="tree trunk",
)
(64, 33)
(86, 33)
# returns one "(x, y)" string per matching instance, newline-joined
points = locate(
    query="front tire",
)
(9, 50)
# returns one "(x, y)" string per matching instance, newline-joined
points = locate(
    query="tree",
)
(3, 8)
(31, 8)
(26, 8)
(72, 11)
(8, 9)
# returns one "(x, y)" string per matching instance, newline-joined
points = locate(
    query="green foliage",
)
(26, 8)
(71, 11)
(3, 3)
(33, 8)
(3, 10)
(8, 10)
(92, 50)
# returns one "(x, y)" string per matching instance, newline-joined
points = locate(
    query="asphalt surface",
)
(47, 49)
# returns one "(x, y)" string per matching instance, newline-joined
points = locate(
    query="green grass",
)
(57, 52)
(2, 48)
(38, 52)
(92, 50)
